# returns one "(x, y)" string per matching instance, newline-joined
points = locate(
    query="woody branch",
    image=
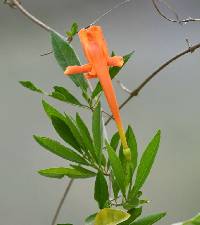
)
(137, 90)
(177, 20)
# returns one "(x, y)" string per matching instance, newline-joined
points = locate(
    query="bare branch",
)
(62, 201)
(156, 72)
(177, 20)
(17, 4)
(46, 53)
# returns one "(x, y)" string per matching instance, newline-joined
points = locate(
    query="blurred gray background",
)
(170, 102)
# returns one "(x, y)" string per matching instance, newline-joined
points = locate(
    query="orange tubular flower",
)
(99, 61)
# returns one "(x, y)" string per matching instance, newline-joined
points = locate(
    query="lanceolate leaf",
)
(110, 217)
(82, 169)
(115, 187)
(71, 124)
(64, 95)
(113, 72)
(64, 132)
(149, 220)
(85, 134)
(114, 144)
(146, 163)
(30, 86)
(194, 221)
(77, 134)
(60, 172)
(60, 150)
(116, 168)
(132, 143)
(101, 194)
(97, 130)
(115, 141)
(65, 224)
(51, 111)
(66, 56)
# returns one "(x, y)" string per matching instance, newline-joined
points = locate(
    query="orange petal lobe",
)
(116, 61)
(78, 69)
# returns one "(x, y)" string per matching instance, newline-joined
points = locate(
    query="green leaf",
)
(90, 219)
(149, 220)
(66, 56)
(60, 172)
(116, 168)
(132, 143)
(51, 111)
(194, 221)
(115, 141)
(75, 131)
(146, 163)
(30, 86)
(97, 130)
(135, 213)
(115, 187)
(65, 224)
(101, 194)
(85, 134)
(60, 150)
(64, 132)
(82, 169)
(109, 216)
(131, 205)
(64, 95)
(113, 72)
(74, 29)
(114, 144)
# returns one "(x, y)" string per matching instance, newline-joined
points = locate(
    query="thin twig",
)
(109, 11)
(177, 20)
(17, 4)
(62, 201)
(92, 109)
(46, 53)
(107, 114)
(69, 40)
(151, 76)
(123, 87)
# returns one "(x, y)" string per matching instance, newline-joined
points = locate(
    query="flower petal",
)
(78, 69)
